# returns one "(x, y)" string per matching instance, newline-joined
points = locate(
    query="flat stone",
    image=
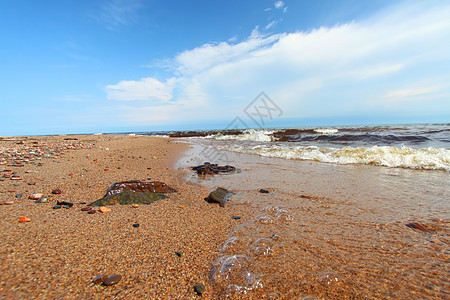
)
(139, 186)
(112, 280)
(56, 191)
(417, 226)
(199, 289)
(128, 197)
(86, 208)
(135, 205)
(235, 217)
(18, 195)
(136, 225)
(179, 253)
(8, 202)
(92, 211)
(263, 191)
(57, 207)
(208, 168)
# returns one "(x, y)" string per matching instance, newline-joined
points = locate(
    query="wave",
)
(326, 130)
(246, 135)
(388, 156)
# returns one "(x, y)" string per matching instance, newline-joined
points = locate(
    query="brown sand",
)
(58, 253)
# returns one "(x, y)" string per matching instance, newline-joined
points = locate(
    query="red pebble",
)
(56, 191)
(92, 211)
(24, 219)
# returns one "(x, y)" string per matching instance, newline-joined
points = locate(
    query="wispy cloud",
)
(279, 4)
(114, 13)
(329, 70)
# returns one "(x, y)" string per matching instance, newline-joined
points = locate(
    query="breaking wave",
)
(388, 156)
(246, 135)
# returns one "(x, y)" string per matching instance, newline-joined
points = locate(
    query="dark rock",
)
(92, 211)
(179, 253)
(235, 217)
(112, 280)
(417, 226)
(219, 195)
(57, 207)
(86, 208)
(208, 168)
(136, 225)
(64, 203)
(129, 197)
(139, 186)
(18, 195)
(56, 191)
(67, 206)
(99, 279)
(199, 289)
(263, 191)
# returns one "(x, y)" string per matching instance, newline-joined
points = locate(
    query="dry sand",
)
(58, 253)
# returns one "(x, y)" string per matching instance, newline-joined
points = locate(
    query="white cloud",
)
(144, 89)
(326, 69)
(279, 4)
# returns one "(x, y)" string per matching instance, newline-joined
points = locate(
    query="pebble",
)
(57, 207)
(67, 206)
(235, 217)
(8, 202)
(86, 208)
(135, 205)
(99, 279)
(92, 211)
(24, 219)
(18, 195)
(417, 226)
(104, 209)
(136, 225)
(263, 191)
(181, 206)
(35, 196)
(41, 200)
(64, 203)
(112, 280)
(179, 253)
(199, 289)
(56, 191)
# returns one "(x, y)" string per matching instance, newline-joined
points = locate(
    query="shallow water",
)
(330, 231)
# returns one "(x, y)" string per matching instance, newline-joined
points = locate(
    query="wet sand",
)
(298, 241)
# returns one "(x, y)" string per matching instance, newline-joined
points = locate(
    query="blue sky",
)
(134, 65)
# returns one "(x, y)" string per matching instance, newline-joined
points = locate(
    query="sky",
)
(82, 66)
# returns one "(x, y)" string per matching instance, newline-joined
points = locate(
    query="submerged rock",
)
(208, 168)
(128, 197)
(219, 195)
(139, 186)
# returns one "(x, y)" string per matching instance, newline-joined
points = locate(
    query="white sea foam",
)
(394, 157)
(246, 135)
(326, 130)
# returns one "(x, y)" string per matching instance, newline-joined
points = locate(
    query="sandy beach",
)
(291, 243)
(58, 253)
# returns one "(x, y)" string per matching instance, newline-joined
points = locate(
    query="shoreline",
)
(59, 252)
(297, 241)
